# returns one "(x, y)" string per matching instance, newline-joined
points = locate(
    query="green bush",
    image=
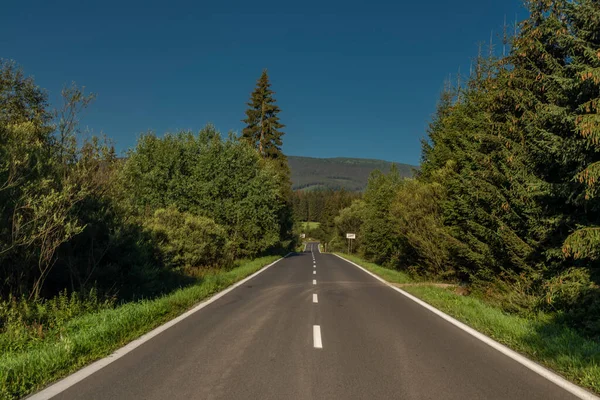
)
(222, 179)
(187, 240)
(576, 297)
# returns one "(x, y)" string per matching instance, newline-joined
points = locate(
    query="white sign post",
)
(350, 237)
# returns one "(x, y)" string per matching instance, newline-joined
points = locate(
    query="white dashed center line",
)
(314, 281)
(314, 272)
(317, 337)
(315, 298)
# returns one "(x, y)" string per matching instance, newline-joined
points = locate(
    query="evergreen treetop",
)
(263, 129)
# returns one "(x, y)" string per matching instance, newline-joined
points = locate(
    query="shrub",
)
(187, 240)
(573, 293)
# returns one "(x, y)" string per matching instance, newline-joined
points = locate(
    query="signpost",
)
(302, 236)
(350, 237)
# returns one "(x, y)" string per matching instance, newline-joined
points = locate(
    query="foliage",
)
(321, 205)
(204, 175)
(417, 217)
(81, 231)
(26, 323)
(44, 178)
(186, 240)
(381, 245)
(262, 129)
(506, 196)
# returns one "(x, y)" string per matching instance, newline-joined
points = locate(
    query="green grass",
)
(541, 338)
(93, 336)
(390, 275)
(310, 225)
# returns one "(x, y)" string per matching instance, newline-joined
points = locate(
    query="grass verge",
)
(542, 339)
(93, 336)
(390, 275)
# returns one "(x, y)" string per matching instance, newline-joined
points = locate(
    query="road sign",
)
(302, 236)
(350, 235)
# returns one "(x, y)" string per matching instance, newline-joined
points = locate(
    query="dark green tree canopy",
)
(263, 129)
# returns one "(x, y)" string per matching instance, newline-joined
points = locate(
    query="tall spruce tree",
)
(584, 20)
(262, 129)
(550, 59)
(263, 132)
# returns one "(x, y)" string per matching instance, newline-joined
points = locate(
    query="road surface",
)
(314, 327)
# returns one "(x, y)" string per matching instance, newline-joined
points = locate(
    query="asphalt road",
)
(261, 341)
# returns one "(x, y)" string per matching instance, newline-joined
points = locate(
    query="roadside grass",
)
(541, 338)
(92, 336)
(390, 275)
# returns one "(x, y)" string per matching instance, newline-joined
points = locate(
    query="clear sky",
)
(353, 78)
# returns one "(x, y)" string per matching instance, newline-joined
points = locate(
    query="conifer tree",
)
(262, 129)
(584, 45)
(263, 132)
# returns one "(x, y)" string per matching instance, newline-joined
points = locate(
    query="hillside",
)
(335, 173)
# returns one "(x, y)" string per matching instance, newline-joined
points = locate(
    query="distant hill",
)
(335, 173)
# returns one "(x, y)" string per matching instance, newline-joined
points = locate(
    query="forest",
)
(506, 196)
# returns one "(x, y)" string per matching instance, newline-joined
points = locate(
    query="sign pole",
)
(350, 237)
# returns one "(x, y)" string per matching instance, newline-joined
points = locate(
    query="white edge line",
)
(315, 298)
(83, 373)
(535, 367)
(317, 337)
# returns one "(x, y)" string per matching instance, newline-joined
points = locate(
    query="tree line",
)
(76, 219)
(506, 198)
(321, 205)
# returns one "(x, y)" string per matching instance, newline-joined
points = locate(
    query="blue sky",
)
(353, 78)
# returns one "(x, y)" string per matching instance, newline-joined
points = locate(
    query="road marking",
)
(317, 337)
(315, 266)
(314, 272)
(83, 373)
(533, 366)
(314, 281)
(315, 298)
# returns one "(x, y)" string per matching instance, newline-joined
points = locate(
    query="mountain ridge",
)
(314, 173)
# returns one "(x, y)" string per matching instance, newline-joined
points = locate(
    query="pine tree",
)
(488, 207)
(262, 129)
(584, 20)
(263, 132)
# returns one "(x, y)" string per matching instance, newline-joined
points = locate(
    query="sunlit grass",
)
(390, 275)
